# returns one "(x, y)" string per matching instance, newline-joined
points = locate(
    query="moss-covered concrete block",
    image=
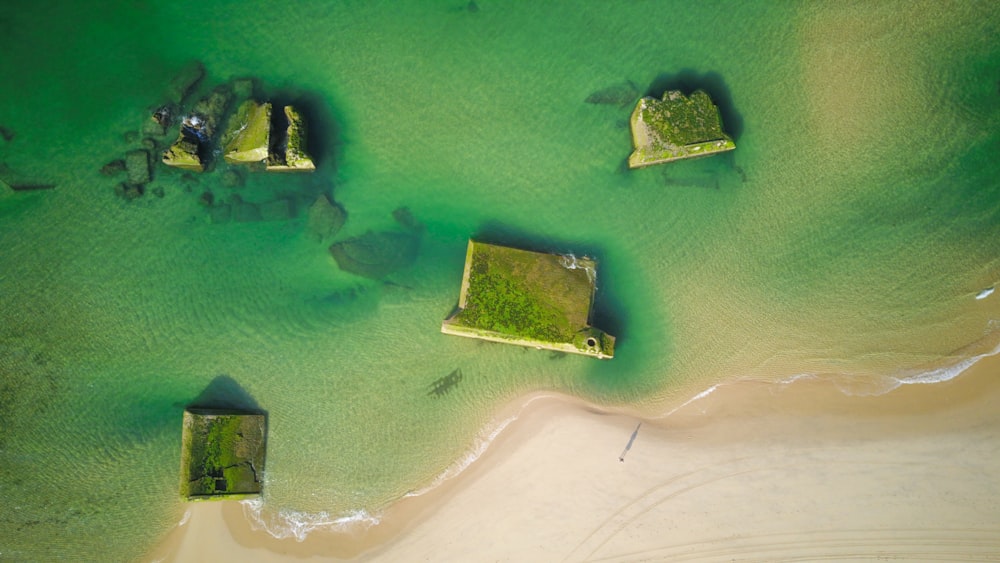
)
(675, 128)
(222, 454)
(184, 154)
(289, 153)
(529, 298)
(248, 134)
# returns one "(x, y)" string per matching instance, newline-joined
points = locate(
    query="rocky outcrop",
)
(158, 122)
(289, 153)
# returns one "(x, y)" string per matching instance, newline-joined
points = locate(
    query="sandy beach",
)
(751, 472)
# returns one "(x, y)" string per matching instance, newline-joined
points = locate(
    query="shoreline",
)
(550, 486)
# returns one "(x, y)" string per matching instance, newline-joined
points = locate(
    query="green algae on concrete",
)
(676, 127)
(197, 131)
(289, 154)
(184, 154)
(528, 298)
(248, 135)
(222, 454)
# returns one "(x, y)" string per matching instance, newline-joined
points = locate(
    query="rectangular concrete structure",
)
(528, 298)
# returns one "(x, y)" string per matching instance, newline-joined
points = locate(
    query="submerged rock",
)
(277, 210)
(621, 94)
(232, 178)
(184, 84)
(15, 182)
(7, 133)
(248, 134)
(243, 88)
(245, 212)
(376, 255)
(406, 219)
(220, 213)
(30, 187)
(158, 122)
(137, 167)
(163, 115)
(325, 219)
(289, 153)
(113, 167)
(128, 191)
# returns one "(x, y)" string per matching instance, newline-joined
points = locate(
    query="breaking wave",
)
(483, 441)
(286, 523)
(296, 524)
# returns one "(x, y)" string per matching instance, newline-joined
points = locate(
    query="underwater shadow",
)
(224, 393)
(688, 80)
(323, 134)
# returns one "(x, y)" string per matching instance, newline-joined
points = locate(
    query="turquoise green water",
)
(847, 237)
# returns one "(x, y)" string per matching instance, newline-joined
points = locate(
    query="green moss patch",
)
(248, 134)
(289, 154)
(222, 454)
(528, 297)
(676, 127)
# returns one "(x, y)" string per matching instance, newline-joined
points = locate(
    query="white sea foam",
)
(697, 397)
(985, 293)
(185, 518)
(570, 262)
(482, 443)
(915, 377)
(286, 523)
(945, 373)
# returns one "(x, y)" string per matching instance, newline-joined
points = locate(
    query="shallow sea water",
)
(847, 237)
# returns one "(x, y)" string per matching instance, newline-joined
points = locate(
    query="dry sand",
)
(752, 472)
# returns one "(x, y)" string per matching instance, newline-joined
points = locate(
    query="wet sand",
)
(752, 471)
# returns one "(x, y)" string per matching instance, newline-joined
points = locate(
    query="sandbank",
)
(752, 471)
